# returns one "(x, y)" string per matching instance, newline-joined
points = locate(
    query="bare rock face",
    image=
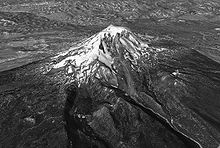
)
(119, 94)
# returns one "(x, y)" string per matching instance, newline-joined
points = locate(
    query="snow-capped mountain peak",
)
(103, 47)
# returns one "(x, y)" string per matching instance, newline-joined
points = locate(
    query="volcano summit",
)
(103, 49)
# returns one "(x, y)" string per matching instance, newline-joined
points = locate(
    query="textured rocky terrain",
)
(66, 82)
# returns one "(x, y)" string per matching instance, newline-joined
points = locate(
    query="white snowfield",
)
(83, 57)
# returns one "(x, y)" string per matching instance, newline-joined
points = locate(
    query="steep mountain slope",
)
(114, 64)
